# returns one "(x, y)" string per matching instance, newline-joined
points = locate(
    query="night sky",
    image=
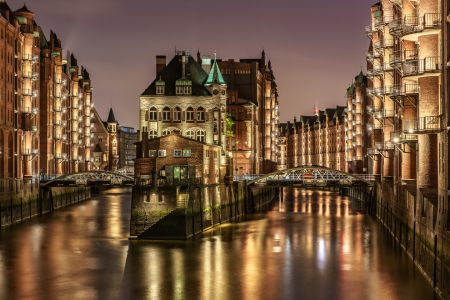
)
(316, 47)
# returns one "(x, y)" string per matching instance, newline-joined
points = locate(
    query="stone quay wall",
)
(418, 226)
(181, 212)
(28, 203)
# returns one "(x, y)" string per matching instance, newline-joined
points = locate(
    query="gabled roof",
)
(86, 75)
(173, 71)
(43, 42)
(4, 7)
(97, 148)
(215, 77)
(111, 118)
(73, 61)
(56, 42)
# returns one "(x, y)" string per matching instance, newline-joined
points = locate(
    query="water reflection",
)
(311, 245)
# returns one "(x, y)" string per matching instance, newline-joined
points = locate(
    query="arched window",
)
(166, 114)
(200, 114)
(166, 132)
(153, 114)
(152, 134)
(177, 114)
(200, 136)
(190, 134)
(190, 114)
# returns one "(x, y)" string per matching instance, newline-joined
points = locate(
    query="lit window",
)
(152, 134)
(176, 153)
(162, 153)
(200, 136)
(186, 153)
(200, 114)
(190, 134)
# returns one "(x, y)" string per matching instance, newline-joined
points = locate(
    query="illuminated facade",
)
(253, 97)
(186, 98)
(38, 136)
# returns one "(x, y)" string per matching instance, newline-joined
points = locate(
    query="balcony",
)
(384, 146)
(356, 112)
(399, 137)
(30, 93)
(429, 66)
(356, 100)
(423, 125)
(370, 30)
(370, 56)
(376, 91)
(383, 44)
(30, 110)
(383, 114)
(356, 158)
(371, 127)
(397, 58)
(404, 90)
(396, 27)
(415, 26)
(33, 128)
(372, 151)
(381, 21)
(31, 152)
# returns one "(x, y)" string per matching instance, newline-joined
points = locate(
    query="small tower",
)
(112, 124)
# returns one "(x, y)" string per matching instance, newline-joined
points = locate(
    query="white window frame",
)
(177, 114)
(200, 136)
(175, 151)
(190, 115)
(187, 90)
(190, 134)
(153, 114)
(152, 134)
(166, 132)
(161, 153)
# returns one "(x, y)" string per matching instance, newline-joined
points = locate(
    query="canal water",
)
(310, 245)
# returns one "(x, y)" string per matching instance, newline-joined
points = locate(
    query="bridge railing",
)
(301, 177)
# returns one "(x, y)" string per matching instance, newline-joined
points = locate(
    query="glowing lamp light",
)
(410, 131)
(396, 140)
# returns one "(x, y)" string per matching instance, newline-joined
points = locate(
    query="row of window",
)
(180, 90)
(198, 135)
(151, 115)
(176, 153)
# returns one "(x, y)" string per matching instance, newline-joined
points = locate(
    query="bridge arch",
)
(87, 175)
(311, 176)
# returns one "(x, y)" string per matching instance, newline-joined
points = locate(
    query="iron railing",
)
(404, 89)
(423, 124)
(427, 65)
(414, 24)
(398, 136)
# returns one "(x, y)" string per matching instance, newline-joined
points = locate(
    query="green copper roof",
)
(360, 77)
(335, 115)
(215, 77)
(181, 81)
(160, 82)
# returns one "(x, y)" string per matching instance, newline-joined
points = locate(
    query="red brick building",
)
(175, 157)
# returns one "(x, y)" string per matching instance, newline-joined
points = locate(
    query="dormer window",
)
(160, 85)
(183, 86)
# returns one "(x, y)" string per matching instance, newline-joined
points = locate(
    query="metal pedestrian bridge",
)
(89, 178)
(308, 176)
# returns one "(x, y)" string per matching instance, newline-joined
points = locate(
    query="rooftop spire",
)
(111, 118)
(215, 76)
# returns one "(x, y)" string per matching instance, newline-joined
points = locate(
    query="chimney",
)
(183, 63)
(160, 64)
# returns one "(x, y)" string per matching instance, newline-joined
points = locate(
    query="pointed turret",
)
(111, 118)
(215, 76)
